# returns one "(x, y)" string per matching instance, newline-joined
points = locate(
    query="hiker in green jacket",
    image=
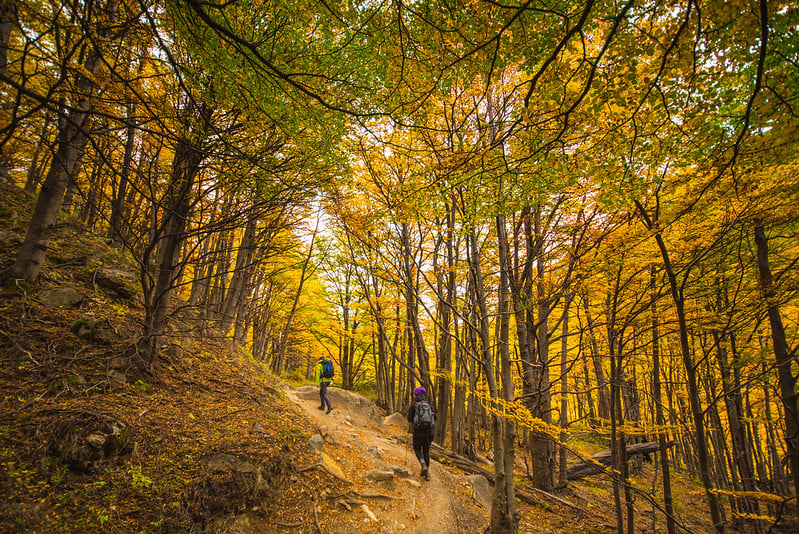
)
(323, 382)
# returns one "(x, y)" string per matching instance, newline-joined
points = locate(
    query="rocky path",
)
(373, 455)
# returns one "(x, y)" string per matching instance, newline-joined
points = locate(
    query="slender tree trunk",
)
(8, 18)
(603, 396)
(542, 447)
(506, 520)
(690, 372)
(35, 169)
(281, 356)
(783, 357)
(120, 191)
(446, 281)
(564, 388)
(660, 420)
(239, 283)
(169, 239)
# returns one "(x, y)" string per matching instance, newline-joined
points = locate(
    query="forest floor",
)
(94, 439)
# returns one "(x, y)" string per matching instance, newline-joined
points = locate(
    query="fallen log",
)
(599, 461)
(465, 464)
(461, 462)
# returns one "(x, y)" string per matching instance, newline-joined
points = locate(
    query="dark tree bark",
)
(8, 18)
(169, 238)
(120, 191)
(239, 283)
(660, 420)
(506, 519)
(692, 382)
(783, 356)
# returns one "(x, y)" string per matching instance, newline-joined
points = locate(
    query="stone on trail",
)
(316, 443)
(331, 465)
(380, 476)
(400, 471)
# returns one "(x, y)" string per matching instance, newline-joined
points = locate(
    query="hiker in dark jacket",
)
(423, 422)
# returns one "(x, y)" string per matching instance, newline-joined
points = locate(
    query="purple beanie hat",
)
(419, 391)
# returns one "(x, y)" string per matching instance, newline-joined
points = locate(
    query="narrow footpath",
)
(372, 455)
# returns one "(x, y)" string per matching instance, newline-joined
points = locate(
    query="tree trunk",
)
(541, 445)
(446, 285)
(782, 356)
(8, 18)
(239, 283)
(281, 356)
(660, 421)
(603, 396)
(690, 372)
(120, 191)
(169, 238)
(564, 388)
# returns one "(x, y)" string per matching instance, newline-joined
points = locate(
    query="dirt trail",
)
(357, 442)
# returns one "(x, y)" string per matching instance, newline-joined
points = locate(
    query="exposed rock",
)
(380, 476)
(331, 465)
(87, 441)
(98, 331)
(60, 297)
(396, 419)
(481, 490)
(400, 471)
(374, 450)
(123, 283)
(228, 462)
(355, 402)
(259, 428)
(316, 443)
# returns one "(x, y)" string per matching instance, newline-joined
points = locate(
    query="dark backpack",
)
(422, 415)
(327, 369)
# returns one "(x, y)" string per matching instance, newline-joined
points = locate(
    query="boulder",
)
(316, 443)
(121, 282)
(96, 330)
(400, 471)
(87, 441)
(481, 490)
(60, 297)
(355, 402)
(331, 465)
(380, 476)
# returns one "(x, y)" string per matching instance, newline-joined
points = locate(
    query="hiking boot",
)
(423, 473)
(321, 407)
(427, 474)
(329, 410)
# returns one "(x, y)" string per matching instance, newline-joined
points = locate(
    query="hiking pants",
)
(421, 444)
(323, 395)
